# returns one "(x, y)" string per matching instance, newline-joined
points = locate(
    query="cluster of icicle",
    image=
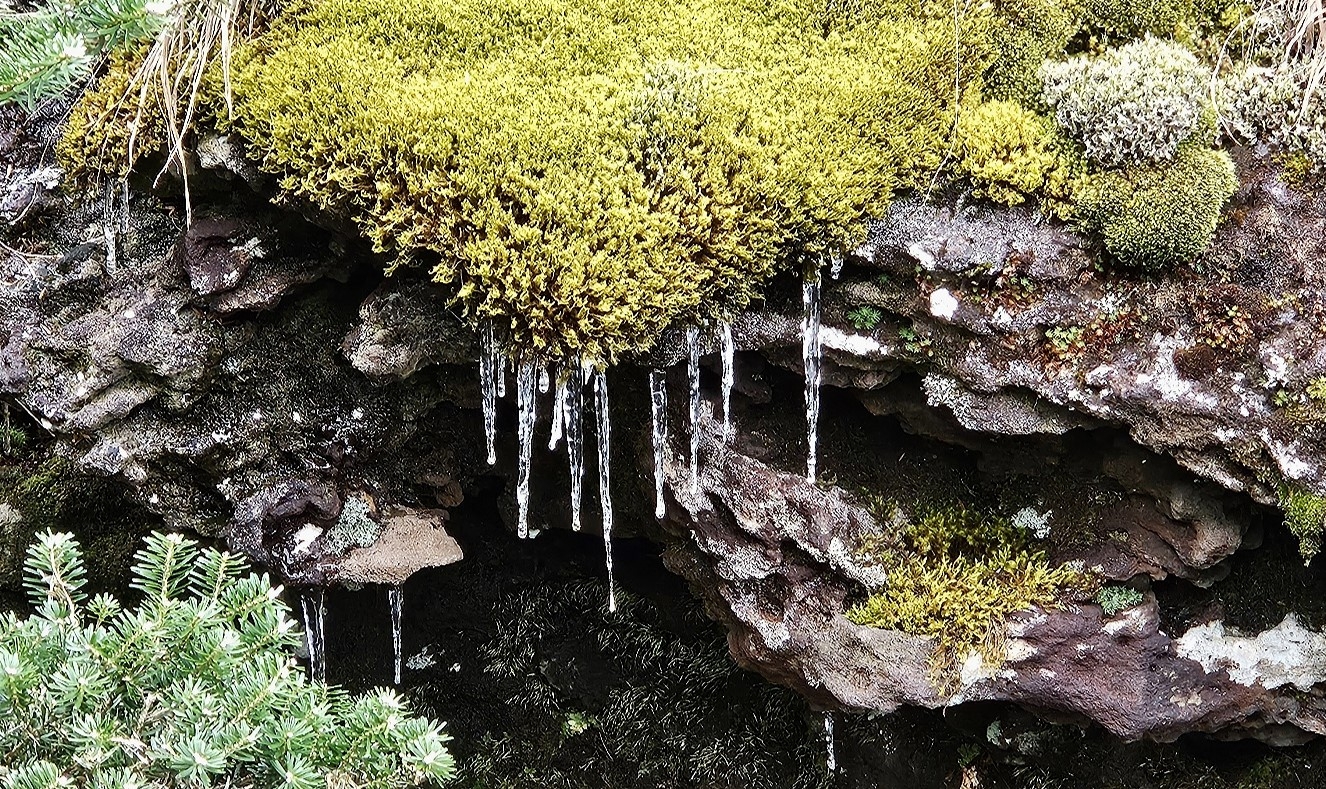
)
(568, 405)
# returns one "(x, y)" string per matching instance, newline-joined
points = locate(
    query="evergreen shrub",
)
(192, 687)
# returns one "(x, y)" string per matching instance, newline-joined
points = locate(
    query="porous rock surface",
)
(243, 375)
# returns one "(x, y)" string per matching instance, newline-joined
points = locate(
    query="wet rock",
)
(411, 540)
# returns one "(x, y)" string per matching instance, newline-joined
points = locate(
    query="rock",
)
(411, 540)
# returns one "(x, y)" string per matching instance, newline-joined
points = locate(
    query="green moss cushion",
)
(588, 172)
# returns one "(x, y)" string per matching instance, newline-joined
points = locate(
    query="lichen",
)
(355, 528)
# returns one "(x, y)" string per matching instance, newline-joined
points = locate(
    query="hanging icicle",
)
(658, 409)
(573, 412)
(605, 479)
(810, 357)
(693, 371)
(489, 371)
(835, 266)
(500, 364)
(395, 599)
(313, 605)
(558, 412)
(729, 376)
(545, 380)
(831, 756)
(525, 401)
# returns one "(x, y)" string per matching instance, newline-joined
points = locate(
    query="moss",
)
(1125, 19)
(1011, 153)
(956, 575)
(587, 173)
(95, 142)
(1157, 217)
(1031, 32)
(1305, 515)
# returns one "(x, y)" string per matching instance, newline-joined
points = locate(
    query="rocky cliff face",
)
(250, 376)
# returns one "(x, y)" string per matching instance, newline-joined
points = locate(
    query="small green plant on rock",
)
(194, 686)
(865, 317)
(1114, 599)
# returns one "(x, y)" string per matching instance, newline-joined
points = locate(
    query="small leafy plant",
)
(1114, 599)
(864, 318)
(193, 687)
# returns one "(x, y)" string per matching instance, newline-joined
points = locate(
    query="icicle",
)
(394, 600)
(313, 604)
(110, 227)
(658, 407)
(810, 357)
(573, 411)
(605, 486)
(831, 756)
(525, 402)
(835, 266)
(729, 375)
(693, 370)
(500, 362)
(490, 370)
(544, 380)
(558, 412)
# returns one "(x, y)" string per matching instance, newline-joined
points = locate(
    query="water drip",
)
(693, 371)
(395, 597)
(489, 371)
(729, 376)
(605, 479)
(313, 605)
(525, 402)
(810, 358)
(658, 409)
(573, 411)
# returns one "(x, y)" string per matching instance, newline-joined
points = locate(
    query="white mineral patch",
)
(855, 344)
(974, 670)
(304, 538)
(1130, 622)
(922, 255)
(1287, 654)
(942, 304)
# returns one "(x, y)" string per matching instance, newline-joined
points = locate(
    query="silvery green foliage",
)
(1135, 103)
(1273, 106)
(46, 50)
(193, 687)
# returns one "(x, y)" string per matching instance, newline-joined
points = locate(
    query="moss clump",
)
(1157, 217)
(1011, 153)
(587, 173)
(96, 138)
(1031, 31)
(1305, 515)
(956, 576)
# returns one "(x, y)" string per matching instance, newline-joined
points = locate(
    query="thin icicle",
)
(313, 605)
(693, 371)
(558, 412)
(658, 408)
(525, 402)
(500, 363)
(394, 600)
(605, 479)
(729, 376)
(573, 411)
(489, 371)
(545, 380)
(831, 755)
(810, 358)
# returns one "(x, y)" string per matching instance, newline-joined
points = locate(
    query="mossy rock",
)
(586, 174)
(1156, 217)
(1305, 515)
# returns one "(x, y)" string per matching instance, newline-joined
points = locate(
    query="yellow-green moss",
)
(1011, 153)
(1159, 216)
(586, 173)
(956, 575)
(1305, 515)
(1029, 32)
(95, 142)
